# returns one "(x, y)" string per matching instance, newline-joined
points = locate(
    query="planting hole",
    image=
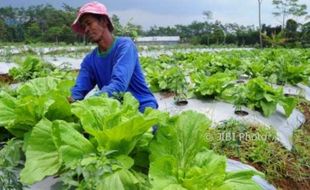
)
(181, 102)
(241, 113)
(240, 81)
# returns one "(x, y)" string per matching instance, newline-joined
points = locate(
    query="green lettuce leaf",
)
(37, 87)
(97, 113)
(29, 111)
(288, 104)
(185, 134)
(72, 145)
(34, 102)
(42, 158)
(125, 136)
(240, 180)
(121, 180)
(7, 107)
(60, 109)
(180, 158)
(115, 126)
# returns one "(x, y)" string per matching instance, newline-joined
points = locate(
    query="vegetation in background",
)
(30, 68)
(98, 143)
(215, 75)
(44, 23)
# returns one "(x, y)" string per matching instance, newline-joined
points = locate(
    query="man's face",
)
(94, 29)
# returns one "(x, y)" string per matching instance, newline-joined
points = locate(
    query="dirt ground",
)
(289, 183)
(4, 78)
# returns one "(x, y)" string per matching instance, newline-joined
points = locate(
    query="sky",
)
(148, 13)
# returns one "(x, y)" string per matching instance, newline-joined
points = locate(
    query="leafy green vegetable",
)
(114, 126)
(214, 85)
(34, 102)
(10, 163)
(104, 171)
(28, 112)
(262, 96)
(31, 68)
(7, 107)
(70, 143)
(180, 158)
(42, 157)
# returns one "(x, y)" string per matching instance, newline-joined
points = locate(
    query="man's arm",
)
(122, 70)
(84, 82)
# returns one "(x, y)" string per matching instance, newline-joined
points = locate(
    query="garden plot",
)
(49, 183)
(53, 183)
(306, 91)
(72, 63)
(41, 50)
(300, 90)
(211, 77)
(233, 165)
(170, 52)
(220, 111)
(60, 62)
(5, 67)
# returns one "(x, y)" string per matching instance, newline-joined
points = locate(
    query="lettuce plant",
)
(30, 68)
(180, 158)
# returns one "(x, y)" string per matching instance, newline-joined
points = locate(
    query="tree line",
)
(44, 23)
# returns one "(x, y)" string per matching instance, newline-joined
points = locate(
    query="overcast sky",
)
(170, 12)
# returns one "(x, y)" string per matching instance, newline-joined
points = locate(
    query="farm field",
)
(218, 108)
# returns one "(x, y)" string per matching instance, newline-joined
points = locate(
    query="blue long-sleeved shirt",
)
(114, 71)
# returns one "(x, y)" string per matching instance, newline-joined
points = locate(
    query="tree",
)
(260, 23)
(54, 32)
(2, 30)
(291, 28)
(286, 8)
(117, 25)
(33, 33)
(305, 35)
(218, 33)
(208, 15)
(276, 40)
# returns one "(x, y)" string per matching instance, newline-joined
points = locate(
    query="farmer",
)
(114, 65)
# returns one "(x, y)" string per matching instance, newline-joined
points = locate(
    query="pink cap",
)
(92, 7)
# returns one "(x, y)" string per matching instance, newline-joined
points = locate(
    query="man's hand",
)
(70, 99)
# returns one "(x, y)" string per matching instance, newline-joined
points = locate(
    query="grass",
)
(256, 145)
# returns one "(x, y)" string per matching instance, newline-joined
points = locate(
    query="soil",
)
(305, 108)
(289, 183)
(167, 94)
(284, 183)
(5, 78)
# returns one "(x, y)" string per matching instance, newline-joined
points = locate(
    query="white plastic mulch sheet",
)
(5, 67)
(233, 165)
(51, 183)
(305, 91)
(73, 63)
(220, 111)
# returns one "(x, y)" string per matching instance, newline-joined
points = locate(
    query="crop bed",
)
(105, 143)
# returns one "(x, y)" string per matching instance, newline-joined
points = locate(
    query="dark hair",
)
(99, 18)
(105, 18)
